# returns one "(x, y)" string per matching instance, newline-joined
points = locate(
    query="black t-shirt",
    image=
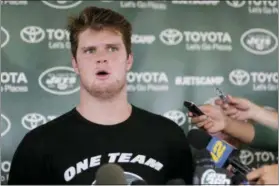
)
(70, 149)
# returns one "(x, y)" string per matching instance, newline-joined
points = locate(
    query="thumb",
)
(206, 108)
(236, 102)
(231, 99)
(218, 102)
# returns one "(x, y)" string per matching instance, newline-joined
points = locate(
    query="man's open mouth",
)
(102, 73)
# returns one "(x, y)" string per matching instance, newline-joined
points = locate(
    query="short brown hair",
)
(98, 19)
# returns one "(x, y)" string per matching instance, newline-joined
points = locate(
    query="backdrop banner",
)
(182, 51)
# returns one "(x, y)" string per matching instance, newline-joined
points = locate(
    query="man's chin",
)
(104, 86)
(105, 91)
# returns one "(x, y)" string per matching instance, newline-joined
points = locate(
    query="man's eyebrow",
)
(93, 46)
(88, 47)
(113, 44)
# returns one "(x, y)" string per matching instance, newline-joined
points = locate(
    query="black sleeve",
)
(261, 141)
(181, 157)
(28, 166)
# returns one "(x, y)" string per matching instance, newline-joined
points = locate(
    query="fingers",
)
(260, 182)
(208, 109)
(230, 111)
(267, 174)
(235, 116)
(232, 100)
(239, 103)
(204, 123)
(190, 114)
(254, 174)
(208, 125)
(199, 119)
(219, 102)
(226, 106)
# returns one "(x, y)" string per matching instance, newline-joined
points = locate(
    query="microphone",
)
(201, 135)
(177, 181)
(239, 179)
(206, 173)
(138, 182)
(203, 159)
(221, 152)
(110, 174)
(216, 176)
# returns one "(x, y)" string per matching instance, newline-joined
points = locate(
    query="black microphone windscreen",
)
(138, 182)
(238, 179)
(199, 139)
(177, 181)
(203, 158)
(110, 174)
(202, 154)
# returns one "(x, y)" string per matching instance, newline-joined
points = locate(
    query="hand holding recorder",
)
(212, 120)
(242, 109)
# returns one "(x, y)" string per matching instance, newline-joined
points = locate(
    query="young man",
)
(104, 127)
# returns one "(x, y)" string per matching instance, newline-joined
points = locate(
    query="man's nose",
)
(102, 61)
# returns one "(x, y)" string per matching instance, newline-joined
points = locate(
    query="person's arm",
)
(28, 166)
(255, 135)
(243, 131)
(243, 109)
(181, 158)
(265, 117)
(215, 121)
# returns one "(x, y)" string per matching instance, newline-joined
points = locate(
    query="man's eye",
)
(112, 49)
(89, 51)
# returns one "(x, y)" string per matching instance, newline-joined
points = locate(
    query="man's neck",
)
(106, 112)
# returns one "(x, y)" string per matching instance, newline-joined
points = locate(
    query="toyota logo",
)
(177, 116)
(62, 4)
(5, 125)
(236, 3)
(246, 157)
(239, 77)
(32, 34)
(5, 37)
(171, 36)
(32, 120)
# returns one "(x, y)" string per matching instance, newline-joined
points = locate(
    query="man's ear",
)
(129, 61)
(75, 65)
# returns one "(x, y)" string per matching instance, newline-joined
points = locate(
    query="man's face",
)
(102, 62)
